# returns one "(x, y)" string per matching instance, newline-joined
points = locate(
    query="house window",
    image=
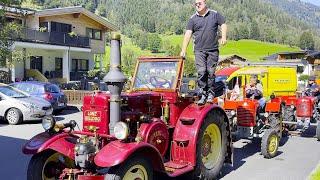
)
(58, 64)
(80, 65)
(44, 26)
(94, 34)
(60, 27)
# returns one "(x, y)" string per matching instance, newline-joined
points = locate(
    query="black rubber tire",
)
(318, 131)
(288, 115)
(265, 143)
(37, 164)
(19, 118)
(201, 171)
(118, 172)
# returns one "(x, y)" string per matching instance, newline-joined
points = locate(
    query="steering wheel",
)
(159, 82)
(308, 92)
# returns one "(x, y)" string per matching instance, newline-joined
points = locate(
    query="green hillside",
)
(250, 49)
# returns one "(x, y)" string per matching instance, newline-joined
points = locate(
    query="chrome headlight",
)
(266, 114)
(233, 112)
(121, 130)
(292, 106)
(48, 122)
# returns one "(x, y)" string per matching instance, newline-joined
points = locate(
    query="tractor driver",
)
(254, 90)
(312, 88)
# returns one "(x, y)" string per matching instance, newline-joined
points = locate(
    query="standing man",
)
(203, 25)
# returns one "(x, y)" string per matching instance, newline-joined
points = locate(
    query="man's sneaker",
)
(202, 101)
(210, 97)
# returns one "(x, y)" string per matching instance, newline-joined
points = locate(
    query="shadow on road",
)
(14, 162)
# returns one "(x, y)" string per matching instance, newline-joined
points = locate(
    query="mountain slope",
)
(304, 11)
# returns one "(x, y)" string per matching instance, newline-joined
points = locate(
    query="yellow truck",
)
(280, 81)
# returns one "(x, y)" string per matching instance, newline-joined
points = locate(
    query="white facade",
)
(49, 53)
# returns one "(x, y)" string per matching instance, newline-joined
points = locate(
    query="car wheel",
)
(14, 116)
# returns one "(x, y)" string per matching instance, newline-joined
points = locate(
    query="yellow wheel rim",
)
(273, 144)
(136, 172)
(54, 158)
(211, 146)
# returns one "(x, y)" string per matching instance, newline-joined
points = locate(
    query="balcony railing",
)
(55, 38)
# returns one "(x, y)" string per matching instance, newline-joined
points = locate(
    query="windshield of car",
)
(29, 88)
(52, 88)
(11, 92)
(221, 78)
(156, 75)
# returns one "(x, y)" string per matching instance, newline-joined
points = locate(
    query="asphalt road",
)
(297, 158)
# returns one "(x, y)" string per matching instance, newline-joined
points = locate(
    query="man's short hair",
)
(312, 78)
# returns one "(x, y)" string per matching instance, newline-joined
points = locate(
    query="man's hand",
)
(223, 41)
(183, 54)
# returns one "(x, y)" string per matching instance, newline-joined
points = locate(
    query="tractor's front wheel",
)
(270, 143)
(48, 165)
(135, 168)
(211, 146)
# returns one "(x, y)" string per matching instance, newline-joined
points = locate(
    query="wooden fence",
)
(76, 96)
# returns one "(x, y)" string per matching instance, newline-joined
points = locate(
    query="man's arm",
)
(224, 29)
(186, 40)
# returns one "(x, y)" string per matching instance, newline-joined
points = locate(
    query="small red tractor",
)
(154, 128)
(302, 112)
(249, 121)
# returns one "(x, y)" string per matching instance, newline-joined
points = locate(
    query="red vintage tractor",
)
(248, 120)
(153, 128)
(306, 113)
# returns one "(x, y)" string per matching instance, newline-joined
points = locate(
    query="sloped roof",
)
(73, 10)
(226, 71)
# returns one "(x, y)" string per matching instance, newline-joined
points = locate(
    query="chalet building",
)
(231, 61)
(305, 61)
(59, 43)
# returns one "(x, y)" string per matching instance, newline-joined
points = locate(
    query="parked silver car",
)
(17, 106)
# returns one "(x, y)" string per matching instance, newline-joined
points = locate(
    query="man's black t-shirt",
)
(205, 30)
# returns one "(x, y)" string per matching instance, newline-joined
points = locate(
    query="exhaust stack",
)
(115, 80)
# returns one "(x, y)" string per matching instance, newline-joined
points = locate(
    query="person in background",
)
(312, 88)
(203, 25)
(254, 90)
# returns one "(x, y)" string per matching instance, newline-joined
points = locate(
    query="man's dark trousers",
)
(206, 62)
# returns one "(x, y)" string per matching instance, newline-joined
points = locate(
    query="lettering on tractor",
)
(154, 128)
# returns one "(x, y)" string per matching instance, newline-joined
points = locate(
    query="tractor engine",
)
(130, 117)
(246, 117)
(304, 107)
(85, 150)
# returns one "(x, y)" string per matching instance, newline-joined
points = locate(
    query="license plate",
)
(60, 104)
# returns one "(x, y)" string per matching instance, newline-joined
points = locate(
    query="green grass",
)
(250, 49)
(316, 174)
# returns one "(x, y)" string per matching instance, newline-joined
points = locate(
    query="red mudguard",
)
(63, 143)
(188, 132)
(117, 152)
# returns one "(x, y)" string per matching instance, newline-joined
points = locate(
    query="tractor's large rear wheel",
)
(48, 165)
(211, 146)
(135, 168)
(270, 143)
